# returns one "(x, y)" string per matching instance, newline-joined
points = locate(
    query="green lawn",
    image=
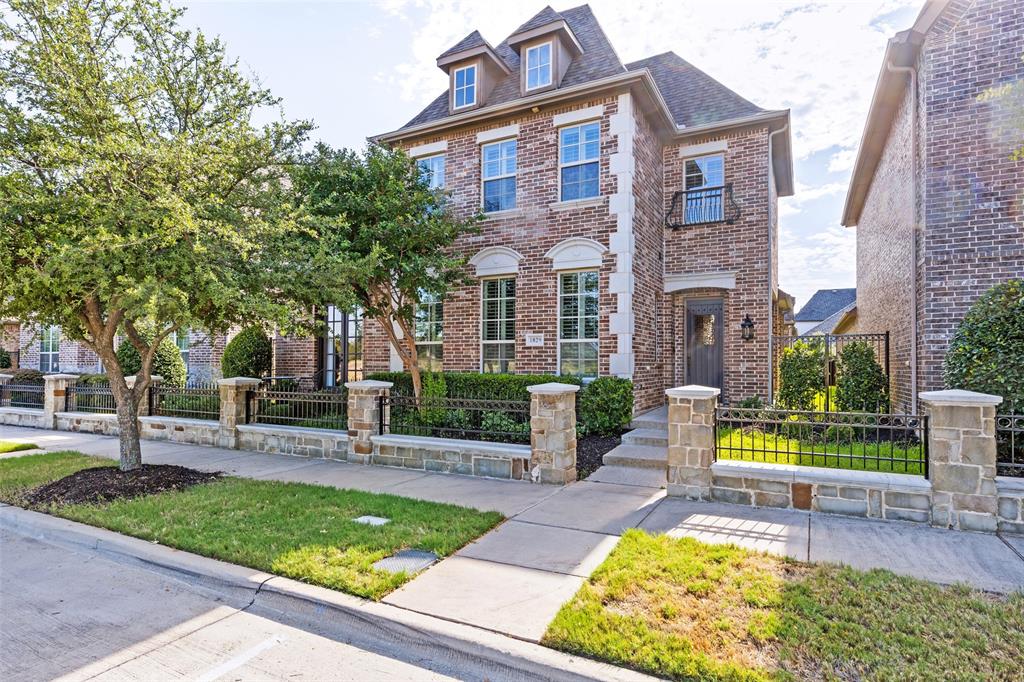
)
(10, 446)
(685, 610)
(296, 530)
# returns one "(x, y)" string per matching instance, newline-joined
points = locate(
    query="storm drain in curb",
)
(408, 560)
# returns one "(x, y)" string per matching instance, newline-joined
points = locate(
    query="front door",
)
(704, 330)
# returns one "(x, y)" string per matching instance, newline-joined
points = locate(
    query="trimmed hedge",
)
(801, 374)
(249, 354)
(477, 385)
(606, 406)
(167, 363)
(862, 385)
(27, 376)
(5, 359)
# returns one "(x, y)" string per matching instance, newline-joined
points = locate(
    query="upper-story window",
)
(499, 176)
(704, 185)
(538, 66)
(465, 87)
(49, 349)
(432, 168)
(578, 151)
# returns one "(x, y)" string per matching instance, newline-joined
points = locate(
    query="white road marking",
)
(241, 659)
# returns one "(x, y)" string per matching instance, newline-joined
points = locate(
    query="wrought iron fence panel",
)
(95, 398)
(833, 345)
(500, 421)
(322, 409)
(22, 395)
(866, 441)
(192, 401)
(1010, 440)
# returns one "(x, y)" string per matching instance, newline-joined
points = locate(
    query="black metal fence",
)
(501, 421)
(22, 395)
(95, 398)
(1010, 440)
(840, 440)
(832, 347)
(192, 401)
(323, 409)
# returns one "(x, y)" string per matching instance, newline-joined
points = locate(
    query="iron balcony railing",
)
(702, 206)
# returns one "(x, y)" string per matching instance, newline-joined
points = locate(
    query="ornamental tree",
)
(135, 189)
(399, 235)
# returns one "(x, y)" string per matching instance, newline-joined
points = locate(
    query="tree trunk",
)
(128, 425)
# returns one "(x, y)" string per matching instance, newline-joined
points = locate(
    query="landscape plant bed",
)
(105, 484)
(11, 446)
(590, 451)
(298, 530)
(682, 609)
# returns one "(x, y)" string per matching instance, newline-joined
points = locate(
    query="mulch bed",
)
(105, 484)
(589, 451)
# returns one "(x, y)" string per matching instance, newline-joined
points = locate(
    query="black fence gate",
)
(833, 346)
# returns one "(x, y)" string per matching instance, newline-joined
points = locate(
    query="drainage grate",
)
(408, 560)
(372, 520)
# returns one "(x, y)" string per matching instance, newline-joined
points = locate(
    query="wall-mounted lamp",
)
(747, 328)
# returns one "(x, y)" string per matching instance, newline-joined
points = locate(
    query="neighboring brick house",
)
(575, 159)
(934, 195)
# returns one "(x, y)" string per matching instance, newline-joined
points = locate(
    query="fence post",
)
(234, 394)
(54, 392)
(146, 404)
(364, 417)
(962, 458)
(4, 380)
(691, 440)
(553, 432)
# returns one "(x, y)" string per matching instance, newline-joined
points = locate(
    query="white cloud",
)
(824, 260)
(804, 194)
(842, 160)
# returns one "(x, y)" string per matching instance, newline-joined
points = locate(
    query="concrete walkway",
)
(514, 579)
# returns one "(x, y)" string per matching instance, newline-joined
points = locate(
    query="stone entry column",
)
(55, 395)
(691, 440)
(962, 458)
(553, 432)
(364, 417)
(233, 396)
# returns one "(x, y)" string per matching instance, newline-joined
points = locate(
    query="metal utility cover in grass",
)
(372, 520)
(408, 560)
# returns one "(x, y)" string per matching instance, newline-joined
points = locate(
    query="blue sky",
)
(360, 68)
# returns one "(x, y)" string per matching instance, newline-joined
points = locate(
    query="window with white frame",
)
(499, 175)
(343, 356)
(499, 326)
(49, 349)
(704, 184)
(579, 148)
(430, 333)
(181, 340)
(432, 169)
(577, 323)
(538, 66)
(465, 87)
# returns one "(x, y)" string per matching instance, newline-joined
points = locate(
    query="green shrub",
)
(167, 362)
(802, 374)
(861, 385)
(5, 359)
(500, 426)
(92, 380)
(752, 403)
(606, 405)
(26, 376)
(478, 385)
(249, 354)
(432, 397)
(986, 353)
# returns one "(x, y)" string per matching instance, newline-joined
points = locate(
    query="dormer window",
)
(538, 66)
(465, 87)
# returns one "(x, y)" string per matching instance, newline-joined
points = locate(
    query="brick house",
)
(575, 160)
(934, 195)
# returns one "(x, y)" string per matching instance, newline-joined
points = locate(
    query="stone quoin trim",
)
(623, 244)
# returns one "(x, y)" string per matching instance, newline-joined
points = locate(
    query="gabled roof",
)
(825, 303)
(829, 324)
(542, 18)
(474, 39)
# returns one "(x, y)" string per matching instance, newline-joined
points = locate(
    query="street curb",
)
(372, 626)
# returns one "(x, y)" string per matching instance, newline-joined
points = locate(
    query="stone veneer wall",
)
(441, 455)
(1010, 510)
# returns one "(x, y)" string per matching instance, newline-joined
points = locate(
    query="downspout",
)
(771, 297)
(912, 72)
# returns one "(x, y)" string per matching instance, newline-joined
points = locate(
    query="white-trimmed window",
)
(182, 341)
(499, 175)
(538, 66)
(49, 349)
(464, 94)
(432, 168)
(430, 333)
(498, 328)
(704, 178)
(577, 323)
(579, 148)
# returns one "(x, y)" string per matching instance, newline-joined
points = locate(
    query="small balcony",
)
(702, 206)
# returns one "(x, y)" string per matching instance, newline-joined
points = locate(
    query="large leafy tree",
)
(398, 232)
(135, 189)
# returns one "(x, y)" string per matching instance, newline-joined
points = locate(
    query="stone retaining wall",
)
(87, 422)
(22, 416)
(290, 440)
(180, 430)
(1010, 494)
(450, 456)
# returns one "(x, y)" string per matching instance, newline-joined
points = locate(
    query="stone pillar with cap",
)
(553, 432)
(146, 404)
(234, 398)
(691, 440)
(364, 417)
(55, 391)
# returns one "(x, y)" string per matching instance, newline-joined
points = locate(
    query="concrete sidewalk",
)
(514, 579)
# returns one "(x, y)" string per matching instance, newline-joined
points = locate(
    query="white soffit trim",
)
(700, 280)
(497, 133)
(590, 113)
(428, 149)
(691, 150)
(575, 253)
(496, 260)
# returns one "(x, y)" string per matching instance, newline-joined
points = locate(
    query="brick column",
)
(233, 394)
(364, 417)
(146, 401)
(962, 458)
(553, 432)
(54, 394)
(691, 440)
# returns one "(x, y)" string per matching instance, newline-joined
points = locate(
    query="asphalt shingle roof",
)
(693, 97)
(474, 39)
(825, 303)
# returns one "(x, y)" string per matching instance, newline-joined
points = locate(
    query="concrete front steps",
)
(642, 457)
